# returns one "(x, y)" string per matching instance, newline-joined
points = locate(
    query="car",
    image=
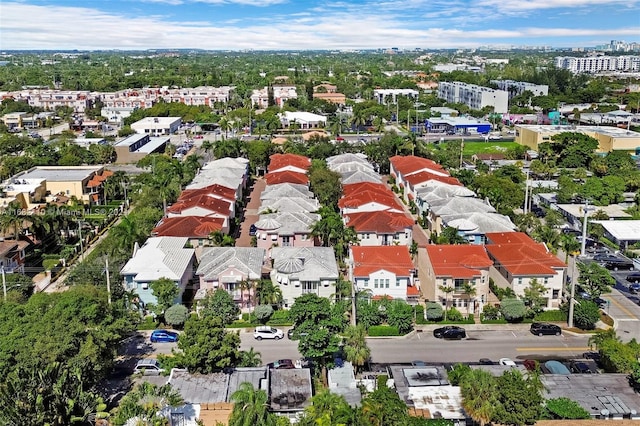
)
(340, 139)
(507, 362)
(485, 361)
(253, 230)
(580, 367)
(163, 336)
(543, 328)
(602, 303)
(634, 288)
(148, 367)
(571, 231)
(282, 364)
(451, 132)
(531, 364)
(198, 137)
(292, 334)
(450, 332)
(266, 332)
(495, 137)
(603, 257)
(634, 277)
(619, 264)
(418, 363)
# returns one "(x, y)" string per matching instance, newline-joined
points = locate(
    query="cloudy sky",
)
(311, 24)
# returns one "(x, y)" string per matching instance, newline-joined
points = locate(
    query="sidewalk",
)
(251, 213)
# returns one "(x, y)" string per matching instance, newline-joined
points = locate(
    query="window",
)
(556, 294)
(366, 283)
(519, 281)
(386, 283)
(375, 283)
(546, 280)
(397, 282)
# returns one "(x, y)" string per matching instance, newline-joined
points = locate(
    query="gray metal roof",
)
(290, 204)
(594, 392)
(487, 222)
(317, 262)
(160, 257)
(347, 158)
(257, 376)
(342, 381)
(59, 173)
(351, 167)
(430, 193)
(290, 390)
(282, 190)
(200, 388)
(215, 260)
(460, 205)
(292, 222)
(360, 176)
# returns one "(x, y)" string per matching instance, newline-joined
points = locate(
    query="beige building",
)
(135, 147)
(609, 138)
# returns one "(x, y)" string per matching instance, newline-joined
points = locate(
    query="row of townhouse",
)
(206, 205)
(380, 264)
(512, 259)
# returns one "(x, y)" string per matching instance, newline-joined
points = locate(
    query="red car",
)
(198, 137)
(340, 139)
(282, 364)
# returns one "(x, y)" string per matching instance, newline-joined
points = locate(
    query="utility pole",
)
(106, 269)
(572, 300)
(584, 228)
(526, 194)
(4, 283)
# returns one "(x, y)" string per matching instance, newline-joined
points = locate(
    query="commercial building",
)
(135, 147)
(156, 126)
(599, 64)
(475, 97)
(609, 138)
(515, 88)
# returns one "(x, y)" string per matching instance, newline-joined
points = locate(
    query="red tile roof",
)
(381, 222)
(187, 226)
(357, 199)
(94, 182)
(365, 186)
(413, 291)
(206, 202)
(286, 177)
(424, 176)
(217, 190)
(410, 164)
(458, 261)
(278, 161)
(521, 255)
(369, 259)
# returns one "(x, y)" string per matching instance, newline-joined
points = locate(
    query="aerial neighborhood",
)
(378, 237)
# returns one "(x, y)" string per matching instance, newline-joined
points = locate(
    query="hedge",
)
(148, 324)
(494, 321)
(383, 330)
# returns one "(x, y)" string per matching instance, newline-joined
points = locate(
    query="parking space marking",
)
(578, 349)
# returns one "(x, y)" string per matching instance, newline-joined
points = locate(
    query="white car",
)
(495, 137)
(508, 362)
(267, 332)
(148, 367)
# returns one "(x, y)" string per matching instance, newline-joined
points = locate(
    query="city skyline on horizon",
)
(257, 25)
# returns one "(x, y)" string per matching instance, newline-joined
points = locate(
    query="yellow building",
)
(609, 138)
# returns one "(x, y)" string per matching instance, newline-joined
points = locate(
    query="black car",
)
(450, 332)
(543, 328)
(634, 277)
(602, 303)
(252, 230)
(579, 367)
(292, 334)
(619, 264)
(604, 257)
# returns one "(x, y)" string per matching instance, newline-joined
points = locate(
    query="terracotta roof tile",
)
(206, 202)
(369, 259)
(411, 164)
(187, 226)
(521, 255)
(275, 178)
(458, 261)
(357, 199)
(424, 176)
(278, 161)
(217, 190)
(381, 222)
(365, 186)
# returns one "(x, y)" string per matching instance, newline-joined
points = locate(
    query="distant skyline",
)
(310, 24)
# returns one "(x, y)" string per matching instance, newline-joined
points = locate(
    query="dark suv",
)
(619, 264)
(543, 328)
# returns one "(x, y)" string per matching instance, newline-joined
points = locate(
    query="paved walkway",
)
(419, 234)
(250, 214)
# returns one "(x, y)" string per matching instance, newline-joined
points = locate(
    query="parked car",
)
(450, 332)
(634, 288)
(619, 264)
(266, 332)
(495, 137)
(580, 367)
(163, 336)
(485, 361)
(418, 363)
(507, 361)
(282, 364)
(148, 367)
(531, 364)
(634, 277)
(605, 257)
(602, 303)
(253, 230)
(543, 328)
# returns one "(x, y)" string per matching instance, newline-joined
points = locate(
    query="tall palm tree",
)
(355, 346)
(267, 293)
(124, 235)
(328, 408)
(446, 290)
(250, 358)
(570, 245)
(250, 407)
(478, 392)
(471, 291)
(145, 402)
(12, 220)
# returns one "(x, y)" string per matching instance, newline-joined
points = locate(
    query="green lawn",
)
(490, 147)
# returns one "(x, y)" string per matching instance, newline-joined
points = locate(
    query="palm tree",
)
(478, 392)
(250, 407)
(225, 126)
(124, 235)
(12, 219)
(250, 358)
(328, 408)
(471, 291)
(446, 290)
(145, 402)
(267, 293)
(570, 245)
(355, 346)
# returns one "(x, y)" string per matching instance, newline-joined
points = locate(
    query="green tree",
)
(446, 290)
(268, 293)
(221, 304)
(250, 358)
(324, 183)
(519, 398)
(250, 407)
(512, 309)
(595, 279)
(263, 313)
(400, 314)
(165, 291)
(586, 314)
(176, 315)
(145, 402)
(205, 346)
(479, 395)
(564, 408)
(383, 407)
(328, 408)
(450, 235)
(534, 296)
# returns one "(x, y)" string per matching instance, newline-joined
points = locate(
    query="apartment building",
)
(382, 96)
(77, 100)
(475, 97)
(515, 88)
(598, 64)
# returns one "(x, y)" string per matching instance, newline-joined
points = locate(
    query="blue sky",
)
(310, 24)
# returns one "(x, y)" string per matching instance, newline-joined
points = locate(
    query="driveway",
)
(250, 214)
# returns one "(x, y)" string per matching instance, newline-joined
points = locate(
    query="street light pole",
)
(573, 292)
(584, 228)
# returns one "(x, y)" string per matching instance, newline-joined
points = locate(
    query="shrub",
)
(176, 315)
(454, 315)
(383, 330)
(381, 381)
(490, 312)
(564, 408)
(434, 311)
(512, 310)
(263, 313)
(149, 323)
(419, 313)
(586, 315)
